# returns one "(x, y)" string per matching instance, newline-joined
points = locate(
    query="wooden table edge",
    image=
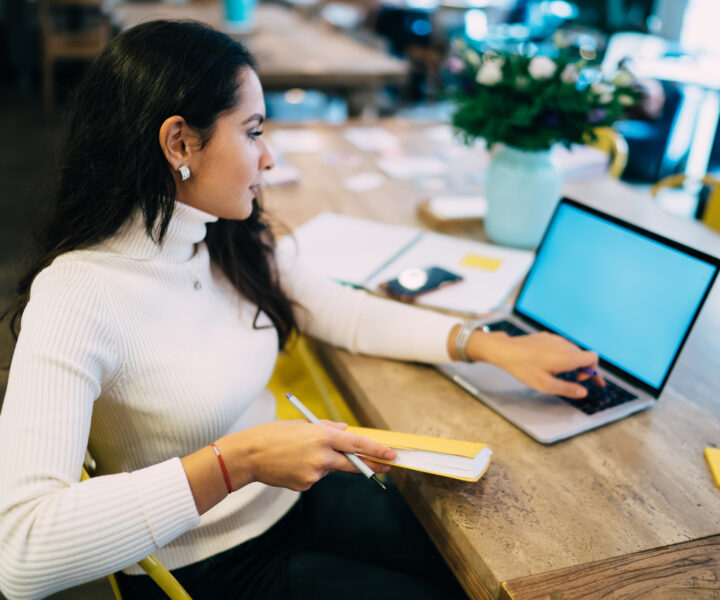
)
(684, 570)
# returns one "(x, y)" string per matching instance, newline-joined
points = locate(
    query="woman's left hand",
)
(535, 359)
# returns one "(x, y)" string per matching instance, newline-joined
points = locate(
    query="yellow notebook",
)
(450, 458)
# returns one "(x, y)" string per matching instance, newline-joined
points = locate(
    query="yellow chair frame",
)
(711, 216)
(611, 142)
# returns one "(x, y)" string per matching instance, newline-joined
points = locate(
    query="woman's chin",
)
(240, 211)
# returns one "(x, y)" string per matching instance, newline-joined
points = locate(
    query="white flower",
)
(472, 58)
(492, 57)
(626, 100)
(600, 87)
(604, 91)
(489, 74)
(623, 78)
(542, 67)
(560, 40)
(569, 74)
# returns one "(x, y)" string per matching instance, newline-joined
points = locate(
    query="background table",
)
(628, 510)
(291, 51)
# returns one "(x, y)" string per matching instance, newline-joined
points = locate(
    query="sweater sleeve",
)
(361, 323)
(54, 531)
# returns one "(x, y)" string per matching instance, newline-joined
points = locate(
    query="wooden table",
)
(626, 511)
(291, 51)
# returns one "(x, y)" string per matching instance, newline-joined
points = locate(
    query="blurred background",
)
(356, 61)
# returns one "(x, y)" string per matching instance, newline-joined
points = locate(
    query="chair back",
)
(710, 214)
(611, 142)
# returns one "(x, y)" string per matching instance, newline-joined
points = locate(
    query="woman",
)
(150, 326)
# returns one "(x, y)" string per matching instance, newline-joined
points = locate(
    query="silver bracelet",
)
(463, 337)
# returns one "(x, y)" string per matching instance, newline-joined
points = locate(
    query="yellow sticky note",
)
(481, 262)
(713, 458)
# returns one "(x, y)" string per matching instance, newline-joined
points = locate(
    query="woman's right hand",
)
(295, 454)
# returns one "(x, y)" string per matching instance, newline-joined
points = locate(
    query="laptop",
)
(629, 294)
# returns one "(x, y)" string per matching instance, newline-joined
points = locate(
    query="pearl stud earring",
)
(184, 172)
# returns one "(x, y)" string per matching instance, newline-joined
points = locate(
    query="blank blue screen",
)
(612, 290)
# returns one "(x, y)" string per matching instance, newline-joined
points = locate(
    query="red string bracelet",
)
(222, 466)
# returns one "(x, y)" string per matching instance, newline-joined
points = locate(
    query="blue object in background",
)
(615, 291)
(297, 106)
(240, 14)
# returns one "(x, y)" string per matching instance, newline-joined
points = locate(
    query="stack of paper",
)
(451, 458)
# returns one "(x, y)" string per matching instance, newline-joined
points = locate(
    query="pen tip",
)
(377, 480)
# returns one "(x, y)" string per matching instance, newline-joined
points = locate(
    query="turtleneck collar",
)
(187, 227)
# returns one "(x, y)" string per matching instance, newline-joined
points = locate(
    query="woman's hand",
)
(295, 454)
(535, 359)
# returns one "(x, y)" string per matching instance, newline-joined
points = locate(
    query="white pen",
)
(364, 469)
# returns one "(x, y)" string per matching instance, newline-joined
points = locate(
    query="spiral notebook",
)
(365, 253)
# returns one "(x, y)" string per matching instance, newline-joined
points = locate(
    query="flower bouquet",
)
(525, 105)
(534, 102)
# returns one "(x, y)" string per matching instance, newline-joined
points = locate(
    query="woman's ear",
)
(177, 141)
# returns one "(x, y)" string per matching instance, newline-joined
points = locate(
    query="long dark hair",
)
(112, 164)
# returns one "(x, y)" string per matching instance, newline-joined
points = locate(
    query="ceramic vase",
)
(522, 190)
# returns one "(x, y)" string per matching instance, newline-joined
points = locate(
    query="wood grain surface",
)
(617, 512)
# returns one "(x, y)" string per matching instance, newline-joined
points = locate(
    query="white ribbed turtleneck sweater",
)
(144, 353)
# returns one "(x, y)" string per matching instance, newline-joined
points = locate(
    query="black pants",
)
(345, 538)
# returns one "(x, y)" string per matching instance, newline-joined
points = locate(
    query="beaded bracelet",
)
(222, 466)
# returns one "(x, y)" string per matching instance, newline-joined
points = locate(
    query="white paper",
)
(458, 207)
(581, 162)
(281, 174)
(288, 141)
(345, 248)
(369, 139)
(363, 182)
(442, 134)
(411, 167)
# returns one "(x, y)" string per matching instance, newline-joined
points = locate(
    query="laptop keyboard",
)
(511, 329)
(598, 398)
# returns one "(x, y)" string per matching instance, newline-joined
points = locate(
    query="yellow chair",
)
(611, 142)
(711, 214)
(299, 372)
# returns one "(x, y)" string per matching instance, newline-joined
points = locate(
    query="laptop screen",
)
(614, 288)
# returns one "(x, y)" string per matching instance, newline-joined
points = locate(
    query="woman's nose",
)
(267, 160)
